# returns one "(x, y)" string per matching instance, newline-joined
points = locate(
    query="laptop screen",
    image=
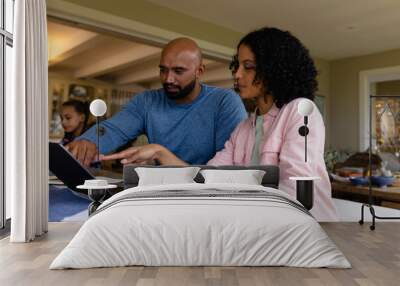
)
(66, 168)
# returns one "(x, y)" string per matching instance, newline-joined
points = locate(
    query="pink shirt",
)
(283, 146)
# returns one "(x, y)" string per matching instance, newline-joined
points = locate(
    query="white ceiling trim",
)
(150, 34)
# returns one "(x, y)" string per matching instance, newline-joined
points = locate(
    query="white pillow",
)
(163, 176)
(248, 177)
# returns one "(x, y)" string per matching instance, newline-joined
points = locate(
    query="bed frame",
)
(270, 179)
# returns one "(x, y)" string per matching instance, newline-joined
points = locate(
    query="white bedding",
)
(182, 231)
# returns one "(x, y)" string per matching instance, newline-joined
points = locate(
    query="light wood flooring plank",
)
(375, 257)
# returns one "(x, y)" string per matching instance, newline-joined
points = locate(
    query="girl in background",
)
(74, 119)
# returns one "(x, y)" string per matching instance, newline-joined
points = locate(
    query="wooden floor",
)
(374, 255)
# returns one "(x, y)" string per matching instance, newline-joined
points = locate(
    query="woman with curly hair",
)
(273, 68)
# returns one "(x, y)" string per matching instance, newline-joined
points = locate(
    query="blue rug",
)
(63, 204)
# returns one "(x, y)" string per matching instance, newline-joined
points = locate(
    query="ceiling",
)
(330, 29)
(77, 53)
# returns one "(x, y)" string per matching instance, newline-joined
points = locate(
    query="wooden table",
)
(385, 196)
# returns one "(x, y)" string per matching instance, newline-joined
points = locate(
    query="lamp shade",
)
(98, 107)
(305, 107)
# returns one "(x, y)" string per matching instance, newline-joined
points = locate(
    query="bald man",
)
(191, 119)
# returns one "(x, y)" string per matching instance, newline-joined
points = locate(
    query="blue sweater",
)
(194, 131)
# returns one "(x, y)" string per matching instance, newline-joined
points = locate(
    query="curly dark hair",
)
(283, 64)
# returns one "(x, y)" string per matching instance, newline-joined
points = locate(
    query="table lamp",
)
(305, 185)
(98, 108)
(97, 190)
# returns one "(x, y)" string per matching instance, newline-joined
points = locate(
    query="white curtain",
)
(26, 124)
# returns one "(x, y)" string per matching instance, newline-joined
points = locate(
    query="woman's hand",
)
(137, 155)
(144, 154)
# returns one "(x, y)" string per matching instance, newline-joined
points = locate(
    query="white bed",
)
(224, 225)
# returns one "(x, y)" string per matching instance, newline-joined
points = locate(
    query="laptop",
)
(69, 170)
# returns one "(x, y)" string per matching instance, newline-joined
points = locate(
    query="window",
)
(6, 44)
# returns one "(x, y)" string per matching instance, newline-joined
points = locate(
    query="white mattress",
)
(183, 231)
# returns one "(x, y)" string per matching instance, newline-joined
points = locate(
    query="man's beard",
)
(182, 91)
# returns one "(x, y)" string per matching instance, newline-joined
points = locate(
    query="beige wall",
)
(344, 92)
(388, 87)
(323, 78)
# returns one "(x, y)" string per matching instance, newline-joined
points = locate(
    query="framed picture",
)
(80, 91)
